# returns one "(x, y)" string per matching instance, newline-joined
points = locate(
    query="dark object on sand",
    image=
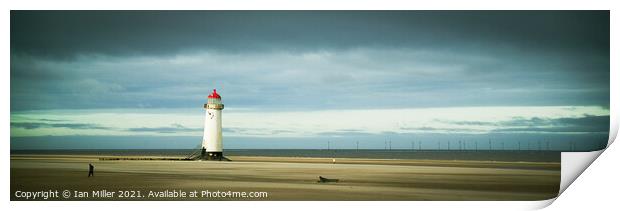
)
(91, 170)
(324, 180)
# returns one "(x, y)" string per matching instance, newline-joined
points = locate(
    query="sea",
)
(473, 155)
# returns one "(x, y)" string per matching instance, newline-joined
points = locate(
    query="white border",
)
(311, 5)
(295, 5)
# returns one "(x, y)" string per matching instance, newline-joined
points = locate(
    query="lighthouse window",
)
(214, 101)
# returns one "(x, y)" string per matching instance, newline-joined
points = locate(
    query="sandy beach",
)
(288, 178)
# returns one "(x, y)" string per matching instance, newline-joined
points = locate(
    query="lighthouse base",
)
(218, 156)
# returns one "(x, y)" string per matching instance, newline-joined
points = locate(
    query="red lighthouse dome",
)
(214, 95)
(214, 101)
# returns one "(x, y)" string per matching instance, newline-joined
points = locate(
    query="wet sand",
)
(288, 178)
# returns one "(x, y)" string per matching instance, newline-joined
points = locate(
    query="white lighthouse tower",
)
(212, 138)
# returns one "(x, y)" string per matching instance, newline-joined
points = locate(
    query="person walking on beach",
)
(91, 170)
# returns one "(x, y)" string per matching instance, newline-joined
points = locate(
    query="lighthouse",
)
(212, 137)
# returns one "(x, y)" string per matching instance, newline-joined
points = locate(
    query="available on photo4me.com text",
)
(74, 194)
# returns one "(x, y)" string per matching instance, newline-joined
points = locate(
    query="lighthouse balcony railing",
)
(214, 106)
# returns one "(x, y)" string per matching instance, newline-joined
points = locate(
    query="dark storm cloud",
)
(589, 124)
(52, 120)
(257, 131)
(308, 59)
(345, 133)
(174, 128)
(592, 124)
(70, 33)
(36, 125)
(566, 129)
(470, 123)
(435, 129)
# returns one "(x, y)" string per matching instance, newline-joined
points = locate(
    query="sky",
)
(299, 79)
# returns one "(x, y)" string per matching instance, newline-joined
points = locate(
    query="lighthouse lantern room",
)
(212, 138)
